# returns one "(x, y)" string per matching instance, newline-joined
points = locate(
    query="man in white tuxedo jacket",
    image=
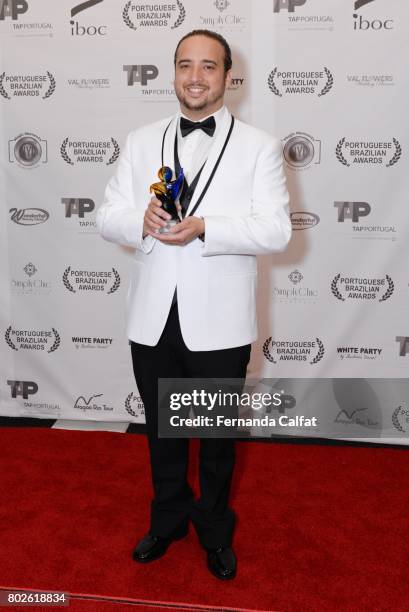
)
(192, 296)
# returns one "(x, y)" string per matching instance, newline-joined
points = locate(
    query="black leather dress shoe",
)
(153, 547)
(222, 562)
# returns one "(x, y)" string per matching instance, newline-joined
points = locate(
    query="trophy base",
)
(168, 226)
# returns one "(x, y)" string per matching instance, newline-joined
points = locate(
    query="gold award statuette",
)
(168, 192)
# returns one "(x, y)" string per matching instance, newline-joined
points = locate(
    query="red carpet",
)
(319, 528)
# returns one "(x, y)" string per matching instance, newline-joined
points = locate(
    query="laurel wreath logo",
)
(397, 154)
(335, 290)
(339, 154)
(266, 350)
(395, 420)
(115, 154)
(54, 347)
(66, 282)
(271, 85)
(3, 92)
(320, 353)
(9, 340)
(181, 17)
(51, 89)
(116, 283)
(389, 291)
(125, 16)
(63, 151)
(329, 83)
(57, 341)
(128, 406)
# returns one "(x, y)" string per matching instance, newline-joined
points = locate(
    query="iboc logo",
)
(352, 210)
(287, 5)
(140, 73)
(153, 15)
(362, 24)
(86, 30)
(22, 387)
(12, 8)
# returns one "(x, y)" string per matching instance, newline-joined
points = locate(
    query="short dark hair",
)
(210, 34)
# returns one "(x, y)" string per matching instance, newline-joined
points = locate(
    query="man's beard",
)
(200, 104)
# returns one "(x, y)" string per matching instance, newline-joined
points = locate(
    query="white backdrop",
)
(326, 77)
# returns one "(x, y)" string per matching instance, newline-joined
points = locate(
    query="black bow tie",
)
(187, 126)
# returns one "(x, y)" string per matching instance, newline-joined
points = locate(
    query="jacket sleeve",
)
(267, 229)
(119, 219)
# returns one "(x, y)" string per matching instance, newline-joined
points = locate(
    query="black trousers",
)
(173, 504)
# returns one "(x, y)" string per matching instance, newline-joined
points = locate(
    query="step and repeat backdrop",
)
(328, 78)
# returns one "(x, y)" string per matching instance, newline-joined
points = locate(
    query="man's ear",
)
(228, 78)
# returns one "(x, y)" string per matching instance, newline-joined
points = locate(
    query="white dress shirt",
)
(194, 148)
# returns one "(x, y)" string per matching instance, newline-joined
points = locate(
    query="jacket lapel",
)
(169, 142)
(214, 153)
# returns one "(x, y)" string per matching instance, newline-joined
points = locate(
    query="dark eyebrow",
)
(205, 61)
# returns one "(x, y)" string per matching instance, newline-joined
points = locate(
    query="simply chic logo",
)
(301, 151)
(33, 339)
(103, 281)
(296, 291)
(368, 152)
(311, 351)
(28, 150)
(223, 17)
(297, 17)
(370, 24)
(354, 214)
(160, 15)
(78, 29)
(27, 85)
(372, 289)
(89, 151)
(33, 285)
(311, 82)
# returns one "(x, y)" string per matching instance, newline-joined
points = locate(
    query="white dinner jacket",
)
(245, 210)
